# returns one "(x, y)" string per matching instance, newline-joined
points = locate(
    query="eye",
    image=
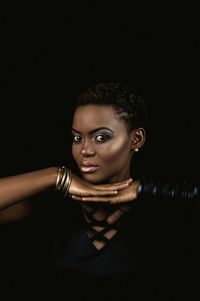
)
(102, 138)
(76, 138)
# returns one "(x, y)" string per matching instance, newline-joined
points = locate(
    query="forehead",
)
(89, 117)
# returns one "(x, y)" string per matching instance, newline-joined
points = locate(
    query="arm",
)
(16, 191)
(147, 188)
(16, 212)
(22, 187)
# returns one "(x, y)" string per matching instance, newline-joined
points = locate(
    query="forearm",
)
(17, 188)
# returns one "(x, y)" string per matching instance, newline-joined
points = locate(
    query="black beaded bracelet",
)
(148, 187)
(183, 190)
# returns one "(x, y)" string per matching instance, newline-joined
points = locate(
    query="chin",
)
(94, 179)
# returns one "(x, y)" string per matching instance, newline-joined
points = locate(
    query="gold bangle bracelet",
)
(64, 175)
(64, 189)
(58, 178)
(68, 183)
(63, 180)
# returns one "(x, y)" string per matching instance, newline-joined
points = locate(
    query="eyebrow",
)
(96, 130)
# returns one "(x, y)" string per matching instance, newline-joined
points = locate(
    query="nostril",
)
(87, 151)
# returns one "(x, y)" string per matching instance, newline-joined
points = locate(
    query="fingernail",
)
(115, 190)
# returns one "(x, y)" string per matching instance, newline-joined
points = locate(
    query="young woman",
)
(104, 240)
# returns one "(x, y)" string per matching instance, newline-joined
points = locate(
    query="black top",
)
(82, 268)
(153, 256)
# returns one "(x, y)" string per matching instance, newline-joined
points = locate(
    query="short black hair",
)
(129, 107)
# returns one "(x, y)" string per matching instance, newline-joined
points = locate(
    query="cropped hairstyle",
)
(129, 107)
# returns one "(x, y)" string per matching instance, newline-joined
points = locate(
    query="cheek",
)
(75, 152)
(115, 152)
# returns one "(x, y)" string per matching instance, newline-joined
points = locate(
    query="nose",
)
(87, 149)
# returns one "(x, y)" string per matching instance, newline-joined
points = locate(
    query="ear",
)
(138, 137)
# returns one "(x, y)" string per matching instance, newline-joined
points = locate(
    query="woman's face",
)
(102, 147)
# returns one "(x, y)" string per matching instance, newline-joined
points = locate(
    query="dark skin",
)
(17, 192)
(102, 139)
(111, 149)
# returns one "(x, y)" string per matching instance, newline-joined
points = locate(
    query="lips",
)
(87, 167)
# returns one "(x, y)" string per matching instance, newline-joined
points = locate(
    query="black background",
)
(49, 54)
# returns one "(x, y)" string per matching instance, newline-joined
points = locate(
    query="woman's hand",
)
(126, 194)
(80, 189)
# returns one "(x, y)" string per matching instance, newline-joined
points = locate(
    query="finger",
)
(103, 193)
(118, 184)
(91, 199)
(95, 193)
(121, 187)
(102, 199)
(130, 180)
(115, 186)
(77, 198)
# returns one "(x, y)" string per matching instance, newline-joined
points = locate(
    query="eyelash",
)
(106, 137)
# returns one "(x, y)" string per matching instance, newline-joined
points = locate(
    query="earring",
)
(136, 150)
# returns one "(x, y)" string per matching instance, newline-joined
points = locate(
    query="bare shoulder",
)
(16, 212)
